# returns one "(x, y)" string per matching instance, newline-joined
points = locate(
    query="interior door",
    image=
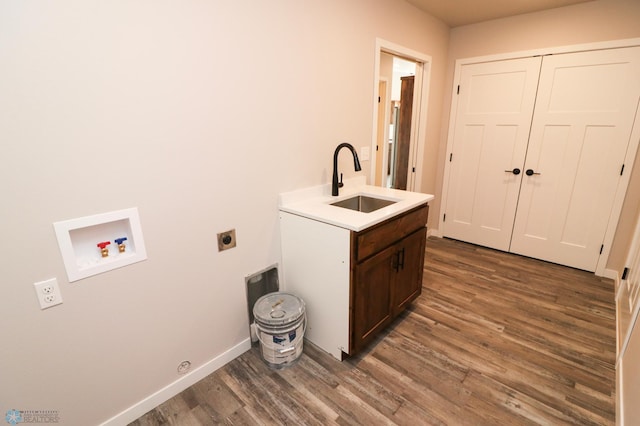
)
(403, 142)
(492, 124)
(580, 131)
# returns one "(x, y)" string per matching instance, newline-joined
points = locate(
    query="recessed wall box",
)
(78, 240)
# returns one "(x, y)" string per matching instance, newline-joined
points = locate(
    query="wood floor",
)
(494, 339)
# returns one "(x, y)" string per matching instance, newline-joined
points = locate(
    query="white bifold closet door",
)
(566, 180)
(495, 105)
(583, 119)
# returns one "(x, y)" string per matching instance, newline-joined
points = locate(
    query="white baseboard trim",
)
(171, 390)
(612, 274)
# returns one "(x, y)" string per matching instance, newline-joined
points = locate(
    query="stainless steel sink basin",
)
(363, 203)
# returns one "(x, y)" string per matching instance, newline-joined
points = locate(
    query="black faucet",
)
(356, 164)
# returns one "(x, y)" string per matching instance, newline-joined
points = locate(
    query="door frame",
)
(380, 161)
(622, 341)
(628, 161)
(621, 293)
(419, 116)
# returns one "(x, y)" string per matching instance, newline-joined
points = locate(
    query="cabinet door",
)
(407, 283)
(372, 296)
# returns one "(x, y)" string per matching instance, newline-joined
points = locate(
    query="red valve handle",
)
(103, 244)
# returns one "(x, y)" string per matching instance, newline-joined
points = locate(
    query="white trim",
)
(385, 138)
(632, 148)
(612, 274)
(171, 390)
(635, 313)
(450, 135)
(419, 126)
(611, 44)
(398, 50)
(621, 193)
(619, 397)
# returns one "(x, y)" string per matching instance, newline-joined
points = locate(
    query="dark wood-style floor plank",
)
(494, 339)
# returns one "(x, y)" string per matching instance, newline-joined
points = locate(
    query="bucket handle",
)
(292, 348)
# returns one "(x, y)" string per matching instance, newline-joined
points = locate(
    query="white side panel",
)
(491, 131)
(315, 260)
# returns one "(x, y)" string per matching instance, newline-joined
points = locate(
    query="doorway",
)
(395, 107)
(400, 104)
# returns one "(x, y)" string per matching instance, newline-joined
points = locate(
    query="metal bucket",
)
(280, 320)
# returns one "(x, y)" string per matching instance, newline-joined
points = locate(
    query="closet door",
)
(492, 122)
(581, 128)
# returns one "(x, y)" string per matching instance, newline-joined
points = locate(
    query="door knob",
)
(530, 172)
(515, 171)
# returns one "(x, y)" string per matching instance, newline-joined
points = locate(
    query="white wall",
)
(197, 112)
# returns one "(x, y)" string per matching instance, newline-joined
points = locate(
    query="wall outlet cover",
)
(48, 293)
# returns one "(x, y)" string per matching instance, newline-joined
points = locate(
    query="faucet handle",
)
(340, 184)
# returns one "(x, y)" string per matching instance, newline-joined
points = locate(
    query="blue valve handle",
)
(120, 240)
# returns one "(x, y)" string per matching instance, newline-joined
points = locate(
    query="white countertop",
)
(315, 203)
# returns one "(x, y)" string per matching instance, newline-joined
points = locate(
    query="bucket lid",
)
(278, 308)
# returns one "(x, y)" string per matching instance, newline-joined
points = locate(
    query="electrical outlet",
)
(48, 293)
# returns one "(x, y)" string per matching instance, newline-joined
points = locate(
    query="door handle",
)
(530, 172)
(397, 261)
(515, 171)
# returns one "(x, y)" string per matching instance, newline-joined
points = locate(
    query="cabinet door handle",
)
(401, 259)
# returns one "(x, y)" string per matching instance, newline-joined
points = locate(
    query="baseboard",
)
(171, 390)
(612, 274)
(433, 233)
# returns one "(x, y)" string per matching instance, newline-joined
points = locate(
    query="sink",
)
(363, 203)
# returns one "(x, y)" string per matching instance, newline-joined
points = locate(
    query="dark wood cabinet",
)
(408, 280)
(372, 296)
(354, 283)
(387, 265)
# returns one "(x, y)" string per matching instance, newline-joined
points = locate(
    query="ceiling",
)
(464, 12)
